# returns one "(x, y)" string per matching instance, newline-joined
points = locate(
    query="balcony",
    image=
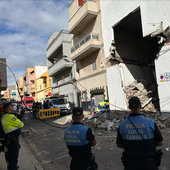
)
(83, 16)
(31, 77)
(86, 46)
(55, 47)
(32, 89)
(58, 67)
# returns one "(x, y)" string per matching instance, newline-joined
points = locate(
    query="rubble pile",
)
(146, 92)
(110, 121)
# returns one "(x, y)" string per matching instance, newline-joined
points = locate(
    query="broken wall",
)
(120, 76)
(162, 65)
(152, 14)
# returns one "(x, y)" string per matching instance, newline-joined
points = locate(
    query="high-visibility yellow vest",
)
(102, 104)
(10, 123)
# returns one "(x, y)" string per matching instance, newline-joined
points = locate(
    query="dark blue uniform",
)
(140, 155)
(77, 138)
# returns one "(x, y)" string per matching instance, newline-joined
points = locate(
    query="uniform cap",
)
(6, 104)
(93, 97)
(77, 111)
(134, 103)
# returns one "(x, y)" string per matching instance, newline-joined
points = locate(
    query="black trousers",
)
(81, 165)
(142, 165)
(34, 114)
(12, 154)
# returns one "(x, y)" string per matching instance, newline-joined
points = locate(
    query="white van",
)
(61, 103)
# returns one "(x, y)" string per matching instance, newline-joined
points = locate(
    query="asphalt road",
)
(48, 147)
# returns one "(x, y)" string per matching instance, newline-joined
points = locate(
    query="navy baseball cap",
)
(6, 104)
(77, 111)
(134, 103)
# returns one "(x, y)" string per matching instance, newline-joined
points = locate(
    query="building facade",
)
(133, 36)
(61, 67)
(3, 77)
(44, 88)
(88, 51)
(38, 71)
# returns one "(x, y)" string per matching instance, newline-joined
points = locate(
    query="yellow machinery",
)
(47, 113)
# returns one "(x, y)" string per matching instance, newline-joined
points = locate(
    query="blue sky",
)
(25, 26)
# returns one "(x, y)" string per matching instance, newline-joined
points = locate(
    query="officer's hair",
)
(77, 118)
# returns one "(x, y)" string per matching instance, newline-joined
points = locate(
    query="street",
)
(47, 145)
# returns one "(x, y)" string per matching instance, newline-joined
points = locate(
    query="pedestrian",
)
(45, 105)
(34, 110)
(79, 139)
(11, 126)
(138, 136)
(92, 106)
(102, 106)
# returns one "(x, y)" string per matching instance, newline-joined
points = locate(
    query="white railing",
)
(93, 36)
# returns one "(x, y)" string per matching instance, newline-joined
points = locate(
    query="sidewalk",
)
(68, 118)
(26, 159)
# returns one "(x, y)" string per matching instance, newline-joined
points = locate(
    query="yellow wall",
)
(41, 93)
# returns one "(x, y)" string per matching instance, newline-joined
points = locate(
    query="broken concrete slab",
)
(103, 126)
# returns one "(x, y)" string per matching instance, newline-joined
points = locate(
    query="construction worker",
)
(102, 106)
(79, 139)
(11, 125)
(92, 106)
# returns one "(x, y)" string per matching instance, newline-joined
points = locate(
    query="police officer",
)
(34, 110)
(102, 106)
(11, 126)
(138, 154)
(79, 139)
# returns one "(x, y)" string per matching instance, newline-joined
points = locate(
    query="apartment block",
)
(44, 89)
(3, 75)
(133, 35)
(88, 51)
(61, 67)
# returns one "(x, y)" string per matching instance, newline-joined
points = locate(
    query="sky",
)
(25, 26)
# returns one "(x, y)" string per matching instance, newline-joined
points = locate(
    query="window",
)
(45, 83)
(93, 65)
(70, 76)
(59, 101)
(84, 96)
(49, 82)
(40, 86)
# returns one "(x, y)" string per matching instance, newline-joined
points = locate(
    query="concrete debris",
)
(111, 122)
(146, 92)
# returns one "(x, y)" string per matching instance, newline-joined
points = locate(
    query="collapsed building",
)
(139, 55)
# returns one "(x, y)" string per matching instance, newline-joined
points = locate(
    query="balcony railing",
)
(93, 36)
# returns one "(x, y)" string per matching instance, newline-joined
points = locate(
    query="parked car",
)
(61, 103)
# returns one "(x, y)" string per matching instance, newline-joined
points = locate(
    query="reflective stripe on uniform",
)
(10, 123)
(3, 123)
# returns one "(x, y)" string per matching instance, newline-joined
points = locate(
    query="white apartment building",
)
(132, 32)
(61, 67)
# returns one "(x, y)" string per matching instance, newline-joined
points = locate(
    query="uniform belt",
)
(143, 159)
(81, 160)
